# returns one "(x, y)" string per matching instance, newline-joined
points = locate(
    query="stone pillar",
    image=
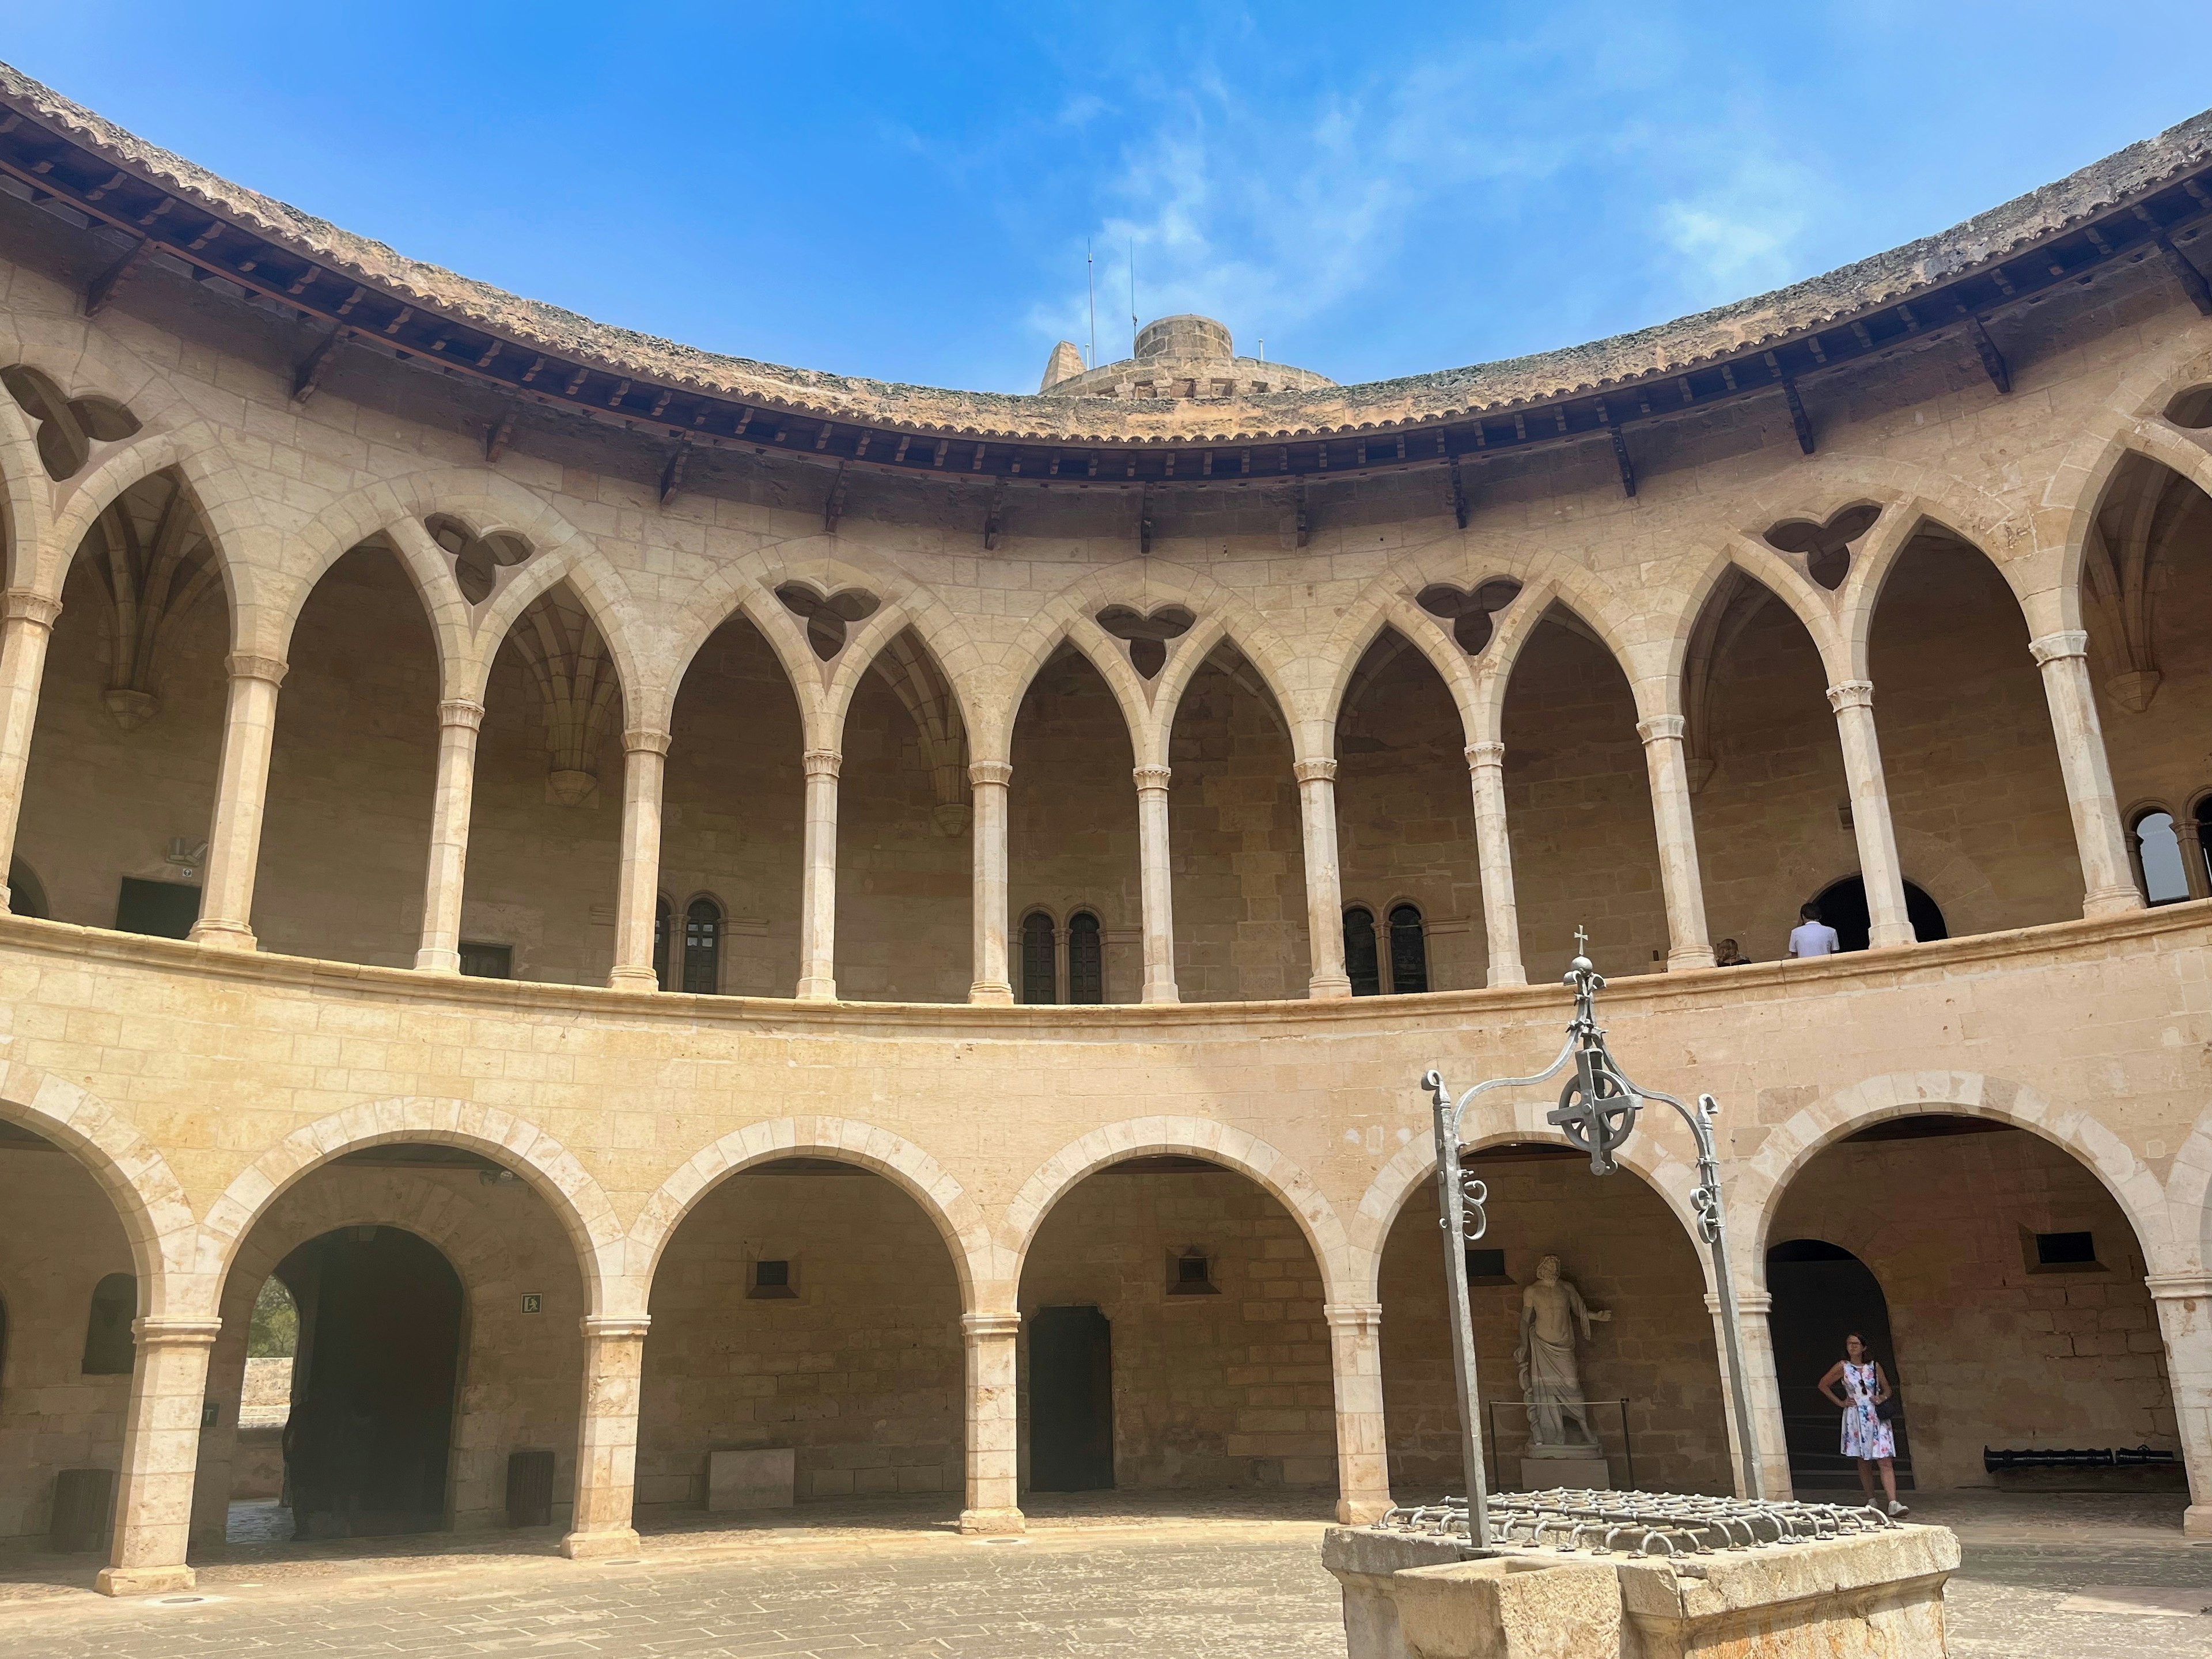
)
(1763, 1383)
(988, 781)
(161, 1452)
(1501, 916)
(2108, 882)
(2185, 831)
(637, 891)
(992, 1507)
(1324, 884)
(606, 1439)
(241, 791)
(1158, 884)
(2185, 1320)
(817, 902)
(1888, 924)
(1363, 1457)
(26, 624)
(1686, 944)
(459, 720)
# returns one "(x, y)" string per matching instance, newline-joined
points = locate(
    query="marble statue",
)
(1552, 1311)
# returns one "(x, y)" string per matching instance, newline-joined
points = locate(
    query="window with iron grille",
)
(702, 947)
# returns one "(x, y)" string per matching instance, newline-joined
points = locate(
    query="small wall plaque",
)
(532, 1302)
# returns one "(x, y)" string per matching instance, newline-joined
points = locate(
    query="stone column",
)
(2108, 882)
(1158, 884)
(992, 1507)
(2185, 1320)
(241, 791)
(987, 780)
(161, 1452)
(1888, 924)
(1501, 917)
(459, 720)
(2191, 838)
(606, 1439)
(1763, 1383)
(817, 902)
(1363, 1457)
(1686, 944)
(637, 892)
(1324, 883)
(26, 624)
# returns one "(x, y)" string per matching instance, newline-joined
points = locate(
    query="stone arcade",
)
(804, 914)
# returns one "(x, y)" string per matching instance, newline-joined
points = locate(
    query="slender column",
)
(1762, 1380)
(606, 1439)
(1888, 924)
(994, 1502)
(459, 720)
(2192, 854)
(637, 893)
(1687, 945)
(2108, 882)
(817, 902)
(1156, 884)
(241, 791)
(26, 624)
(161, 1452)
(1501, 916)
(1363, 1457)
(2185, 1320)
(1324, 883)
(988, 781)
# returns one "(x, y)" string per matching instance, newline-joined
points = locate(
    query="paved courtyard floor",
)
(2049, 1576)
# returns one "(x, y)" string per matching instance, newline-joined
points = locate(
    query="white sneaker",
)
(1897, 1509)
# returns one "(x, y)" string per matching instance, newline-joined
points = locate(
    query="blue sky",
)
(906, 191)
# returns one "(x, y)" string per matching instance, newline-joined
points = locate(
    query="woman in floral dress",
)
(1866, 1436)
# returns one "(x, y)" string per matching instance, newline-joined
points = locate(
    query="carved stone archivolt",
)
(578, 687)
(156, 563)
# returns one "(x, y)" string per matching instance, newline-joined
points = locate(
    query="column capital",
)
(28, 604)
(1352, 1316)
(1316, 770)
(152, 1331)
(2179, 1287)
(616, 1326)
(990, 773)
(2056, 647)
(822, 762)
(988, 1327)
(645, 740)
(1851, 694)
(1151, 779)
(1479, 755)
(1748, 1304)
(461, 711)
(1662, 728)
(245, 666)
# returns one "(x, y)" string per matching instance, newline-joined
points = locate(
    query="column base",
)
(1154, 993)
(1328, 988)
(223, 935)
(2197, 1521)
(144, 1581)
(817, 987)
(1362, 1511)
(992, 992)
(428, 960)
(615, 1544)
(1689, 956)
(1887, 938)
(2112, 902)
(1504, 977)
(624, 979)
(993, 1523)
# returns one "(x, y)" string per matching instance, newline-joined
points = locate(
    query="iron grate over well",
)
(1672, 1524)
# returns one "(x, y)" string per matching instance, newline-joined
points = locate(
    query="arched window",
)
(1360, 961)
(2204, 836)
(702, 947)
(1040, 969)
(2158, 858)
(108, 1349)
(663, 914)
(1086, 958)
(1409, 951)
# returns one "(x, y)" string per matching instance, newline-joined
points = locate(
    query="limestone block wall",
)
(903, 882)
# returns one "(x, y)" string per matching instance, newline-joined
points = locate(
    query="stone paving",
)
(1094, 1580)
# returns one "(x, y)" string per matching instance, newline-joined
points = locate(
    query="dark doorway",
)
(166, 909)
(1822, 1293)
(1071, 1400)
(1844, 908)
(372, 1383)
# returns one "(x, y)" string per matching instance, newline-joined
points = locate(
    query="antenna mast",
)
(1090, 282)
(1133, 296)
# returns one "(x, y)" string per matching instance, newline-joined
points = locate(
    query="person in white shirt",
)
(1811, 937)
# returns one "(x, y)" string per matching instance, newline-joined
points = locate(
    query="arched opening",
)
(2156, 850)
(1362, 956)
(1409, 951)
(1649, 1370)
(1578, 806)
(1172, 1340)
(806, 1349)
(1086, 958)
(702, 947)
(353, 771)
(1072, 806)
(120, 789)
(1405, 814)
(1823, 1294)
(1238, 846)
(1842, 905)
(1040, 959)
(2018, 1315)
(733, 821)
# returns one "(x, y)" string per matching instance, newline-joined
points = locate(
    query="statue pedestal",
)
(1574, 1467)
